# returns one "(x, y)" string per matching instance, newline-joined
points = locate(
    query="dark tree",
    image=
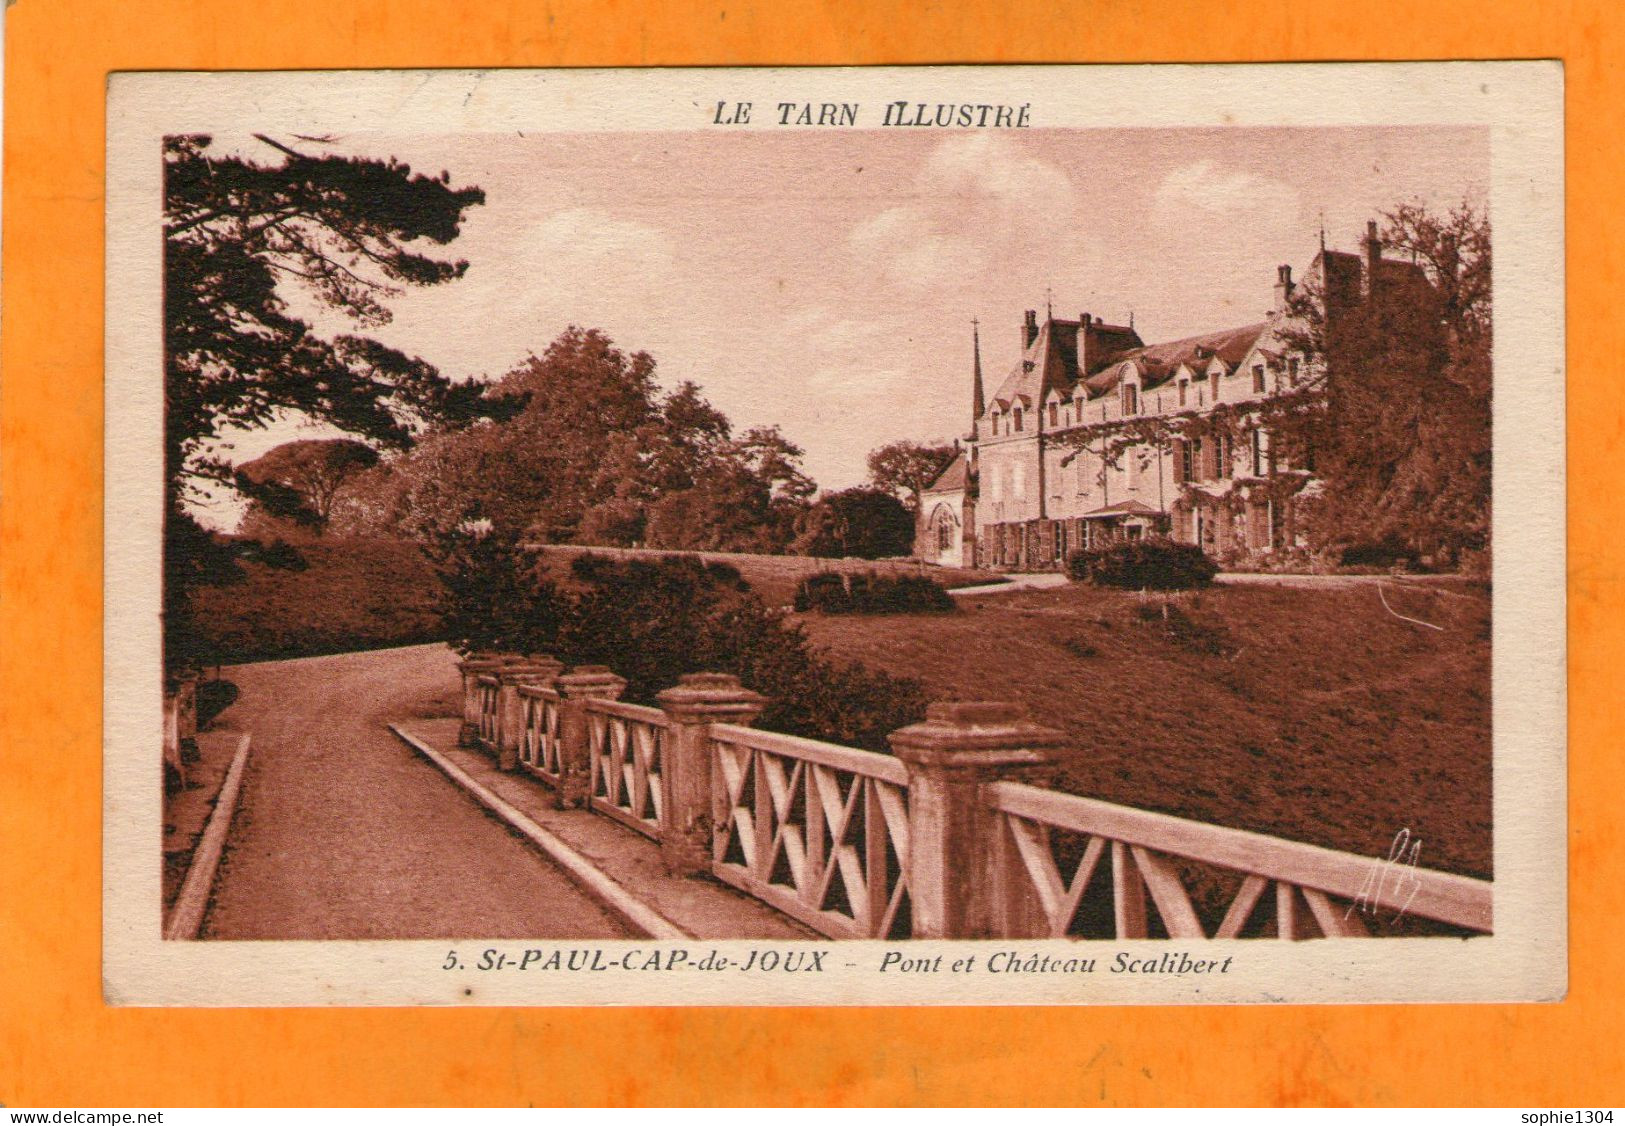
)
(347, 231)
(858, 522)
(1395, 418)
(908, 468)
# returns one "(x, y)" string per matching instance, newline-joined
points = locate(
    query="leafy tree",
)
(859, 522)
(908, 468)
(300, 481)
(596, 455)
(344, 230)
(1395, 416)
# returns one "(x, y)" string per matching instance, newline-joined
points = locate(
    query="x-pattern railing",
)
(624, 743)
(817, 830)
(1056, 844)
(539, 740)
(489, 690)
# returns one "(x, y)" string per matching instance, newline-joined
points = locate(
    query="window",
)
(1224, 451)
(1184, 386)
(1055, 414)
(945, 531)
(1196, 458)
(1130, 399)
(1018, 418)
(1292, 371)
(1258, 379)
(1257, 438)
(1187, 461)
(1199, 395)
(1060, 540)
(1213, 380)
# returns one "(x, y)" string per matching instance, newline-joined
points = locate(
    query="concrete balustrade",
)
(946, 838)
(581, 684)
(956, 883)
(697, 702)
(510, 712)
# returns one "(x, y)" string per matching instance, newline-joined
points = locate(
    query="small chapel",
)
(1052, 461)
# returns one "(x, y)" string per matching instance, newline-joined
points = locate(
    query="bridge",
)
(526, 800)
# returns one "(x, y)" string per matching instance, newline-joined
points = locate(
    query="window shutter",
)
(1179, 461)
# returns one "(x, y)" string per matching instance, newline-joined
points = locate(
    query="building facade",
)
(1095, 435)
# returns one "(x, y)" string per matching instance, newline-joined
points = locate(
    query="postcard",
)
(903, 536)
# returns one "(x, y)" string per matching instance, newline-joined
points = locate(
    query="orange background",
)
(60, 1046)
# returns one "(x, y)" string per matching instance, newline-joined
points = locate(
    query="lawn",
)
(1311, 714)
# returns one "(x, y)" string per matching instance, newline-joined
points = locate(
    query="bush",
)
(1384, 554)
(1148, 564)
(873, 594)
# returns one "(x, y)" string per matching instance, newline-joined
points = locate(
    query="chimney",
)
(1373, 255)
(1029, 331)
(1283, 287)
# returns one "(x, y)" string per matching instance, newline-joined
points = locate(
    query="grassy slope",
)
(1323, 718)
(354, 594)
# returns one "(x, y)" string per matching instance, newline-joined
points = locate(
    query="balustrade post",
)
(474, 666)
(510, 709)
(583, 683)
(698, 701)
(958, 865)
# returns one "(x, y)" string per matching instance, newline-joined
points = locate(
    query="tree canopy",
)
(348, 231)
(299, 482)
(907, 469)
(598, 454)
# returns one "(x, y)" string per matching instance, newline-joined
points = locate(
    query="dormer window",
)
(1018, 419)
(1131, 403)
(1213, 382)
(1184, 387)
(1292, 371)
(1055, 414)
(1258, 379)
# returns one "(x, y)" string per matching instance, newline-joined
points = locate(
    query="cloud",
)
(589, 234)
(912, 245)
(977, 197)
(1227, 193)
(993, 172)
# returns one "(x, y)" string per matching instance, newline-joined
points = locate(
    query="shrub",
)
(1385, 554)
(873, 594)
(652, 620)
(1148, 564)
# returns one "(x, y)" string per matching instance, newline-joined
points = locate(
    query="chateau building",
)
(1066, 452)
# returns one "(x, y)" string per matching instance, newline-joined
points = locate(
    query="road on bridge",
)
(344, 832)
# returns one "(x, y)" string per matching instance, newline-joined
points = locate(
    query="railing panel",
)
(625, 743)
(816, 830)
(489, 698)
(539, 743)
(1156, 860)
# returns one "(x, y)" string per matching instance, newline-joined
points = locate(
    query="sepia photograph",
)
(840, 519)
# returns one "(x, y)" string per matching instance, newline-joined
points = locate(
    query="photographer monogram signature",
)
(1391, 879)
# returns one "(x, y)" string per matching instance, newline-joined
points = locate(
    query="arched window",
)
(945, 529)
(1131, 399)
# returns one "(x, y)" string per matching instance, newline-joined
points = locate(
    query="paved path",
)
(344, 833)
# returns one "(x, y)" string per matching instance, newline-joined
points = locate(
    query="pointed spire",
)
(1049, 304)
(979, 404)
(1323, 231)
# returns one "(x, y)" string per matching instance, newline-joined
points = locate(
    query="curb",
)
(625, 906)
(186, 917)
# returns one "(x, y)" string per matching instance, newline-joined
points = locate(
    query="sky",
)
(826, 281)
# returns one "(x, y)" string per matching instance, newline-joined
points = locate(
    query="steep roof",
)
(1159, 361)
(955, 477)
